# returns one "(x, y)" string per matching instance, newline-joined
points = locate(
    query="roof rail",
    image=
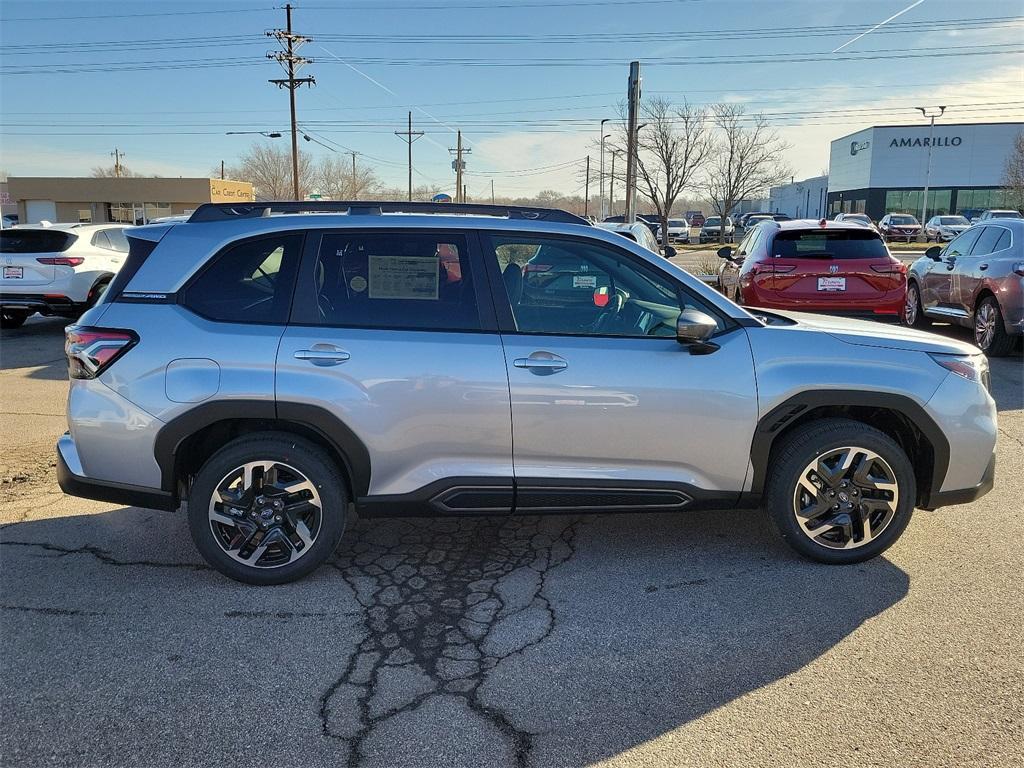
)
(229, 211)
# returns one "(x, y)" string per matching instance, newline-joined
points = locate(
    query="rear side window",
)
(395, 280)
(987, 241)
(35, 240)
(138, 252)
(828, 243)
(117, 240)
(248, 282)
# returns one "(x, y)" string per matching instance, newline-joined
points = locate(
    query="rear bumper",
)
(44, 304)
(964, 495)
(73, 482)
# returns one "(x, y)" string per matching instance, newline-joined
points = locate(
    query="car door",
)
(608, 409)
(970, 269)
(937, 283)
(393, 336)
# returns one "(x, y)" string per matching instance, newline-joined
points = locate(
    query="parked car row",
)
(939, 228)
(843, 267)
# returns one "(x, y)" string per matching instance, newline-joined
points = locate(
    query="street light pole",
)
(602, 208)
(928, 166)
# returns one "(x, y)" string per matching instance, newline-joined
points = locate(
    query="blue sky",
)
(529, 122)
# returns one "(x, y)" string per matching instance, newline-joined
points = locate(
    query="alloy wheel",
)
(846, 498)
(265, 514)
(985, 325)
(910, 309)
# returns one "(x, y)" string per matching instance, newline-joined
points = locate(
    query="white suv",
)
(59, 269)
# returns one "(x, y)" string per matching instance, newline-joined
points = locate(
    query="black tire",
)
(287, 449)
(815, 440)
(9, 320)
(920, 320)
(999, 343)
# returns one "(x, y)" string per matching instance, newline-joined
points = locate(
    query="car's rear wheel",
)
(840, 491)
(267, 508)
(913, 312)
(10, 319)
(989, 332)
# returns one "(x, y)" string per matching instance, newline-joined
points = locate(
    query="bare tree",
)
(269, 169)
(109, 172)
(746, 161)
(1013, 173)
(671, 148)
(334, 180)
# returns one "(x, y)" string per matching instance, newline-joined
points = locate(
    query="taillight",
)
(763, 267)
(61, 261)
(90, 351)
(893, 268)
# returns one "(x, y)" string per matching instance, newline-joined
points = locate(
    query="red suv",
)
(809, 266)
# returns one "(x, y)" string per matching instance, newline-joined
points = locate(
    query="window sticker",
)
(357, 283)
(403, 277)
(584, 281)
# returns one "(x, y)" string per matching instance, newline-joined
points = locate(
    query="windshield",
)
(1005, 215)
(677, 223)
(952, 221)
(712, 221)
(861, 219)
(833, 243)
(902, 220)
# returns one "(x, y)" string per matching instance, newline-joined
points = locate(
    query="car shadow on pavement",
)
(555, 641)
(38, 344)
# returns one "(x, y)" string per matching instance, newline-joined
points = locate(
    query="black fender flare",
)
(345, 443)
(773, 423)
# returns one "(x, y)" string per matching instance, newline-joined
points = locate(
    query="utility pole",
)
(222, 170)
(631, 137)
(928, 166)
(117, 155)
(492, 191)
(459, 164)
(355, 191)
(410, 136)
(292, 62)
(611, 186)
(603, 209)
(586, 194)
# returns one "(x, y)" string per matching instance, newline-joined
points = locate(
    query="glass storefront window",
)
(980, 198)
(156, 210)
(84, 216)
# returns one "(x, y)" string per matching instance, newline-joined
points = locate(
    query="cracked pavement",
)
(543, 642)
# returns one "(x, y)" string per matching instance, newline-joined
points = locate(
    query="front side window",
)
(581, 287)
(248, 282)
(961, 246)
(395, 280)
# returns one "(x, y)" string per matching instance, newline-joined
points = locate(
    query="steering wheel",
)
(609, 313)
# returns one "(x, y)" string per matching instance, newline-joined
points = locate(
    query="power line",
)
(50, 19)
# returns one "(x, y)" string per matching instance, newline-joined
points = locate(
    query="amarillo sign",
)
(939, 141)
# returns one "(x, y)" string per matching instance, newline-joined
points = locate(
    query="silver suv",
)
(281, 372)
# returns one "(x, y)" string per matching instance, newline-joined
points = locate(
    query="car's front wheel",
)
(840, 491)
(267, 508)
(989, 332)
(913, 312)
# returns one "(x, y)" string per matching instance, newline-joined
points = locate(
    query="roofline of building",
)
(925, 125)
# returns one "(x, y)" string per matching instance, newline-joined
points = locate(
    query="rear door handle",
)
(323, 354)
(541, 363)
(983, 267)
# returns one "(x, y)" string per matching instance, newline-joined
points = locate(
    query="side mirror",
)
(725, 252)
(934, 253)
(669, 251)
(694, 328)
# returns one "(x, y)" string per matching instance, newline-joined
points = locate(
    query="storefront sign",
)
(938, 141)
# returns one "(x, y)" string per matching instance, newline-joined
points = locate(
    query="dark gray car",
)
(977, 280)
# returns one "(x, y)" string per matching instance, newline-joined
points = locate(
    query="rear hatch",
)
(819, 267)
(28, 257)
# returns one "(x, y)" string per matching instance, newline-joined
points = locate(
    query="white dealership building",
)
(884, 169)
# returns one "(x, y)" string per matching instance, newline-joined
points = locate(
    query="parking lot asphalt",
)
(622, 640)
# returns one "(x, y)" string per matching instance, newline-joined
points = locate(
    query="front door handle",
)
(541, 363)
(323, 354)
(983, 267)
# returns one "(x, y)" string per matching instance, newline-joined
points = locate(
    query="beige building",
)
(133, 200)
